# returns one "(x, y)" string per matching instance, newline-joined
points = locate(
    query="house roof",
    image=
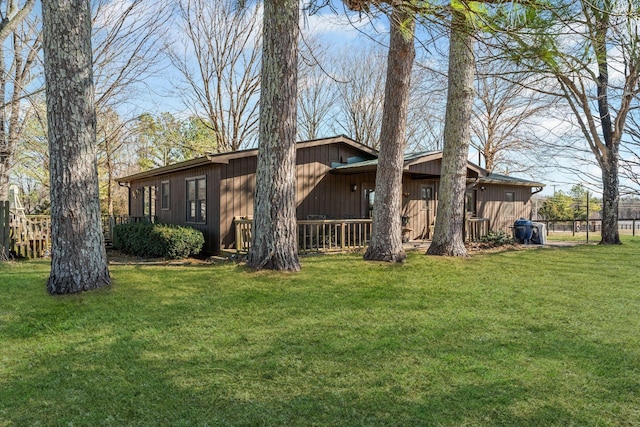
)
(415, 158)
(496, 178)
(354, 165)
(224, 158)
(410, 159)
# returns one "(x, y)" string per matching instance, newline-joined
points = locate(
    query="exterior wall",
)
(176, 214)
(319, 192)
(421, 213)
(433, 167)
(231, 187)
(492, 205)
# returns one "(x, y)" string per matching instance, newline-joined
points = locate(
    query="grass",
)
(538, 337)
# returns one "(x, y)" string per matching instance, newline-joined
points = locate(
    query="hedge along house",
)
(335, 180)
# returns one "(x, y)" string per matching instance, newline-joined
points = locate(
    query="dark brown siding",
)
(230, 192)
(421, 215)
(176, 214)
(237, 185)
(430, 168)
(319, 192)
(492, 205)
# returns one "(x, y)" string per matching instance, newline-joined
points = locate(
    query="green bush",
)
(157, 240)
(498, 238)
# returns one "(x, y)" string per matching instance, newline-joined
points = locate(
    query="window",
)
(197, 200)
(370, 195)
(427, 196)
(165, 199)
(149, 202)
(470, 204)
(509, 205)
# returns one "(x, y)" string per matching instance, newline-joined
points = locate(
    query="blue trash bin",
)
(522, 230)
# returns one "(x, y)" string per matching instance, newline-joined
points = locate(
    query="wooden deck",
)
(340, 235)
(316, 235)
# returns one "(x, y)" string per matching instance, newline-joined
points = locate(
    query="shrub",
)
(157, 240)
(497, 238)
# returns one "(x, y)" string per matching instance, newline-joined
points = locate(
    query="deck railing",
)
(110, 221)
(30, 236)
(476, 229)
(325, 235)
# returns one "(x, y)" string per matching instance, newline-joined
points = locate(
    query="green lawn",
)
(537, 337)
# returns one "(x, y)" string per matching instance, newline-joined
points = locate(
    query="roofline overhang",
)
(520, 183)
(224, 158)
(188, 164)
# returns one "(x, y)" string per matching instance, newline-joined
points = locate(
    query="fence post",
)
(5, 243)
(239, 242)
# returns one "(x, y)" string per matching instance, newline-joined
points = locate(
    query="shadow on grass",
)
(332, 375)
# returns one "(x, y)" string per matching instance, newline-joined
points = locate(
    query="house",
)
(335, 180)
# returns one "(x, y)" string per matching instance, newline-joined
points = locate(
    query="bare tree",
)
(630, 156)
(360, 95)
(506, 115)
(316, 93)
(592, 51)
(274, 241)
(219, 61)
(78, 256)
(127, 47)
(19, 43)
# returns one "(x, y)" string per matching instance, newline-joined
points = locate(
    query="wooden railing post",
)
(5, 243)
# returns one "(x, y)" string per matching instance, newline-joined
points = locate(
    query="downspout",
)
(126, 184)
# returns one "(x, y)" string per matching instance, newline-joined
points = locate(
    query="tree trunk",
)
(78, 256)
(386, 234)
(610, 200)
(274, 243)
(448, 233)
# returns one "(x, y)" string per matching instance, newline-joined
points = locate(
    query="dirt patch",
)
(118, 258)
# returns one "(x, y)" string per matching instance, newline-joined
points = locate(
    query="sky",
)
(331, 26)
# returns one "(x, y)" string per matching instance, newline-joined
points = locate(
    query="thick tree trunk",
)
(386, 234)
(448, 233)
(78, 256)
(610, 201)
(274, 243)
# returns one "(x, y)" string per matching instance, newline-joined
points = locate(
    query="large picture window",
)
(197, 200)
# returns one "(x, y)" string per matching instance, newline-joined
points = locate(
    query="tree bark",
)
(386, 233)
(610, 201)
(274, 243)
(448, 234)
(78, 256)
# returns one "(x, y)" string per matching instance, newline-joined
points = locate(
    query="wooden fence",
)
(24, 236)
(30, 236)
(327, 235)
